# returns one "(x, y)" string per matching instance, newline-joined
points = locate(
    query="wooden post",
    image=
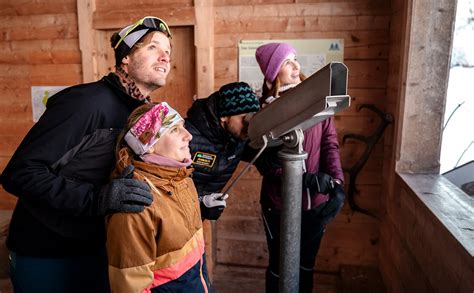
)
(204, 42)
(85, 12)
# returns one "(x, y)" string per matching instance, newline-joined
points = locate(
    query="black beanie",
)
(132, 37)
(237, 98)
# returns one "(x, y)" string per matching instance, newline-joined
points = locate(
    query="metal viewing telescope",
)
(315, 99)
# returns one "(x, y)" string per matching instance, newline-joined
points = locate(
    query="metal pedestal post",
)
(292, 157)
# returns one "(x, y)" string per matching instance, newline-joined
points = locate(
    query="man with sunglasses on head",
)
(60, 171)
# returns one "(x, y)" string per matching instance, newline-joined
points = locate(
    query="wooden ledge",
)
(453, 208)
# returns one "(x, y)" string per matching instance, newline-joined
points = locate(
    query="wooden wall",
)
(418, 253)
(365, 28)
(39, 44)
(38, 47)
(425, 246)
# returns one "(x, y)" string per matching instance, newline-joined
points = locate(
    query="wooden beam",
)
(85, 11)
(174, 16)
(204, 42)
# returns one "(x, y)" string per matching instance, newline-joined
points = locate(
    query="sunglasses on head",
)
(150, 22)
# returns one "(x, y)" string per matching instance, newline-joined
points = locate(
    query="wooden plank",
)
(387, 269)
(13, 71)
(15, 112)
(361, 124)
(246, 252)
(230, 279)
(329, 259)
(114, 19)
(373, 52)
(9, 143)
(243, 2)
(403, 262)
(58, 51)
(418, 227)
(414, 231)
(369, 197)
(251, 24)
(27, 7)
(103, 54)
(42, 45)
(56, 74)
(204, 42)
(16, 98)
(85, 11)
(33, 22)
(233, 220)
(361, 279)
(61, 31)
(302, 10)
(375, 97)
(363, 74)
(236, 279)
(107, 5)
(364, 52)
(19, 127)
(351, 38)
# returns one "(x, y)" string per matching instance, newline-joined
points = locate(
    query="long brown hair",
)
(275, 89)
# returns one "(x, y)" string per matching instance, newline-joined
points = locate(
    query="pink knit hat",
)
(270, 57)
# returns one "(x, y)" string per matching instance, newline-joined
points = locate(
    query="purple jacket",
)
(320, 142)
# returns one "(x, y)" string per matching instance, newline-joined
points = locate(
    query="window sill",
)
(449, 205)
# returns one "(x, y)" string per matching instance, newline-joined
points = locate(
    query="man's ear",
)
(125, 60)
(223, 121)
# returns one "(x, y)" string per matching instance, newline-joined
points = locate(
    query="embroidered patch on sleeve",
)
(204, 159)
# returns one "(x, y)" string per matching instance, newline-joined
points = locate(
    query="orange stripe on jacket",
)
(174, 271)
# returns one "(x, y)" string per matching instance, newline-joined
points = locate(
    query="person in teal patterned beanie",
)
(237, 98)
(219, 126)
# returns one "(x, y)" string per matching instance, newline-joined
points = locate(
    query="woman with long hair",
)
(323, 195)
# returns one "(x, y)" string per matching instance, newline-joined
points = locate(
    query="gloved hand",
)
(318, 182)
(334, 204)
(212, 205)
(124, 195)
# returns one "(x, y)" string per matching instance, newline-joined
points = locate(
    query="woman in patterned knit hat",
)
(161, 248)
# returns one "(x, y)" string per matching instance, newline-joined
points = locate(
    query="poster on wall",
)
(313, 54)
(39, 97)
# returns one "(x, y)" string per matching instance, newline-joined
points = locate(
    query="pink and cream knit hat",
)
(270, 57)
(150, 127)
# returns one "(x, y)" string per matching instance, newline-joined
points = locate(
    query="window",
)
(457, 150)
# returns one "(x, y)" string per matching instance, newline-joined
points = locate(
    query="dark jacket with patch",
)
(59, 168)
(214, 151)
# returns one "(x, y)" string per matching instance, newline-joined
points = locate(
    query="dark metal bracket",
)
(370, 142)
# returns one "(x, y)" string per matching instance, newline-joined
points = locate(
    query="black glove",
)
(124, 195)
(334, 204)
(268, 160)
(318, 183)
(212, 205)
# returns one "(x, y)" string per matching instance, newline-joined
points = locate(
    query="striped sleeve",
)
(131, 249)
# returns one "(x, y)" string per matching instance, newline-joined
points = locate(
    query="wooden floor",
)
(252, 280)
(229, 279)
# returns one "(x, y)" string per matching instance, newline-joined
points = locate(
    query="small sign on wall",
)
(312, 54)
(39, 97)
